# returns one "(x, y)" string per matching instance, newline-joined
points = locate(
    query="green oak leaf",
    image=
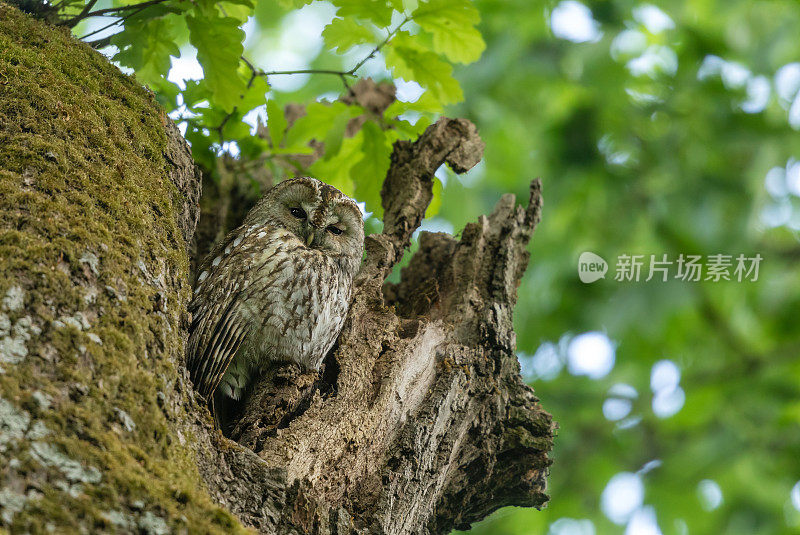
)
(426, 103)
(335, 136)
(254, 96)
(336, 171)
(410, 61)
(196, 92)
(146, 46)
(276, 123)
(238, 9)
(452, 25)
(370, 171)
(219, 47)
(344, 34)
(318, 121)
(376, 11)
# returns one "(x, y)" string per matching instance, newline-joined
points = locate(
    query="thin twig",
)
(341, 74)
(306, 71)
(249, 64)
(76, 19)
(375, 50)
(346, 85)
(116, 22)
(103, 12)
(259, 72)
(256, 72)
(222, 125)
(107, 26)
(101, 43)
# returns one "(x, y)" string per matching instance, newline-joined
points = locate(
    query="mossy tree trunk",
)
(420, 422)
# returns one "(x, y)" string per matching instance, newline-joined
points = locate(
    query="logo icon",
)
(591, 267)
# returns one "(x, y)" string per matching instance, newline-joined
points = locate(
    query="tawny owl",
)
(276, 289)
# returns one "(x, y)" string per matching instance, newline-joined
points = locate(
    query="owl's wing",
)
(217, 330)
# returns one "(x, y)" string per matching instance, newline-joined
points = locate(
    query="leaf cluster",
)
(419, 42)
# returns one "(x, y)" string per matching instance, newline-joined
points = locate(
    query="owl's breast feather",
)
(296, 306)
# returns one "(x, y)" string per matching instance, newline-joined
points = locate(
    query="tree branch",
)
(88, 7)
(340, 73)
(100, 42)
(85, 14)
(380, 45)
(408, 188)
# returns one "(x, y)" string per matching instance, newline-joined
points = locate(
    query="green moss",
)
(88, 231)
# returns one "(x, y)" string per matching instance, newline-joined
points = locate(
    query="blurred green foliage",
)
(654, 163)
(657, 129)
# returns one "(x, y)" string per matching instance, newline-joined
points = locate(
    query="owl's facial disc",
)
(324, 225)
(318, 215)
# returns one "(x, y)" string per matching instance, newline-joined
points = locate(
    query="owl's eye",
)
(299, 213)
(334, 230)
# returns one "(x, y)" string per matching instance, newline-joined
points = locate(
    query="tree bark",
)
(419, 423)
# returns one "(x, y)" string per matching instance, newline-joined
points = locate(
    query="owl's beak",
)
(310, 237)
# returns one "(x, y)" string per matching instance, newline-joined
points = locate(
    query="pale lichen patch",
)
(90, 259)
(11, 503)
(94, 338)
(43, 400)
(120, 520)
(152, 524)
(12, 350)
(125, 419)
(13, 424)
(14, 299)
(73, 489)
(48, 455)
(116, 294)
(37, 431)
(13, 346)
(25, 328)
(147, 522)
(77, 320)
(90, 296)
(143, 268)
